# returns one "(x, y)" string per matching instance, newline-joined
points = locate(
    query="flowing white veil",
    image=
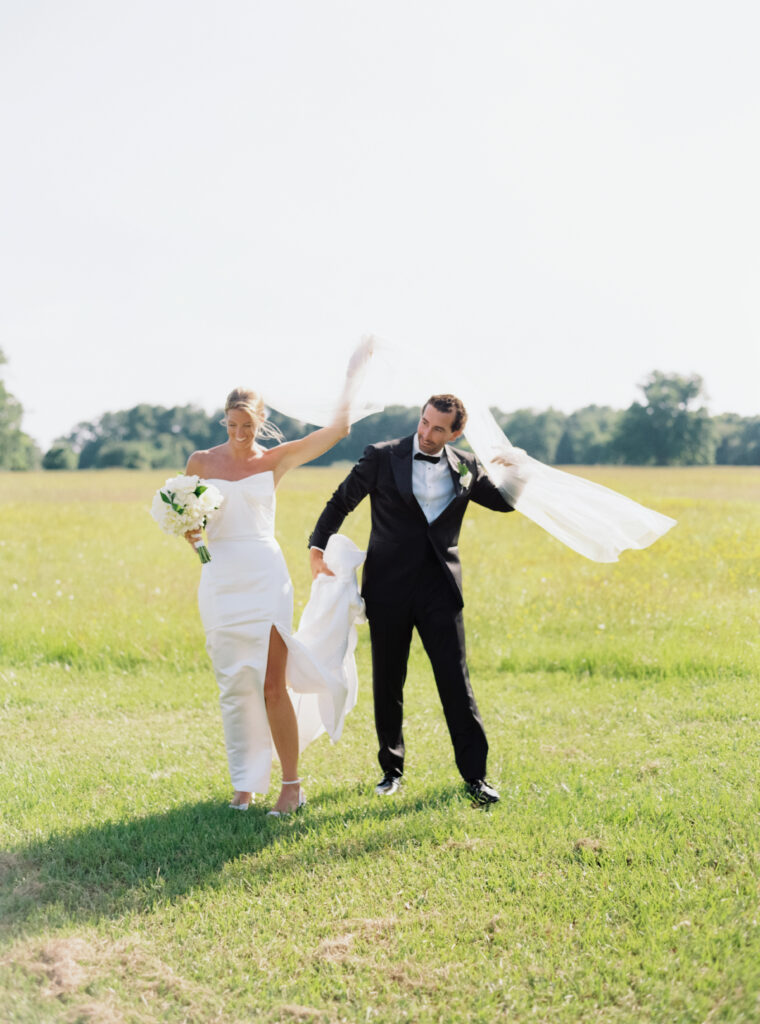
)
(591, 519)
(312, 395)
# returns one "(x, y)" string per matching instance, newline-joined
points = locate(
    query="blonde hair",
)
(252, 403)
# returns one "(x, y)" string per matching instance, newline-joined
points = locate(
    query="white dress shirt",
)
(432, 483)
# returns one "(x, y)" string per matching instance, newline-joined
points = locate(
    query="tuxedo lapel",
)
(454, 464)
(401, 465)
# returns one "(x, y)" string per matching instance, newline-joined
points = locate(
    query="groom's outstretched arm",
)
(486, 493)
(357, 485)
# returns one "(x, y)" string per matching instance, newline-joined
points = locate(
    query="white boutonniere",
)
(465, 475)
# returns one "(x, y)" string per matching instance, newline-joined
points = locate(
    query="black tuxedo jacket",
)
(401, 538)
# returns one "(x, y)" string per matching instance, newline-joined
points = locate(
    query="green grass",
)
(617, 881)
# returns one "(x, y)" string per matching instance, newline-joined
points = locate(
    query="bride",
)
(246, 597)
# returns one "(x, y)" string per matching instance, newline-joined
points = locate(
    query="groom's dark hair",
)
(449, 403)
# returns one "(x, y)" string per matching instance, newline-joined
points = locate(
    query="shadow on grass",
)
(117, 867)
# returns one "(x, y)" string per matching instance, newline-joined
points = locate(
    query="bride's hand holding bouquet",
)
(183, 506)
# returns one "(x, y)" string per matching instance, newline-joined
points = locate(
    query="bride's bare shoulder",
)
(202, 463)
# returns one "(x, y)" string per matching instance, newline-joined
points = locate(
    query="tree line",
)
(670, 426)
(17, 449)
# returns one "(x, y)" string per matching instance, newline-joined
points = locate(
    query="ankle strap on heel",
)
(291, 782)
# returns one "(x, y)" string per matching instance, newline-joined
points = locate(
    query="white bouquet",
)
(186, 503)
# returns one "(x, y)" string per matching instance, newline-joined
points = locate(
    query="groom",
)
(419, 489)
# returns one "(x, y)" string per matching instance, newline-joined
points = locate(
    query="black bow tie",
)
(428, 458)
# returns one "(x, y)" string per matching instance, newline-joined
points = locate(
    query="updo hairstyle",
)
(252, 403)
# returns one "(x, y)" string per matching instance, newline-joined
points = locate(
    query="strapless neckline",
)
(242, 479)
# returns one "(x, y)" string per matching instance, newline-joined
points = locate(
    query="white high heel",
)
(299, 805)
(241, 807)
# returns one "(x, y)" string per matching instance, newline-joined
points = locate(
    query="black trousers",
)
(430, 607)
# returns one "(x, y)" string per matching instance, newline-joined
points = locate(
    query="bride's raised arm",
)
(295, 453)
(290, 454)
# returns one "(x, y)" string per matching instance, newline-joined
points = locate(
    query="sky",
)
(563, 197)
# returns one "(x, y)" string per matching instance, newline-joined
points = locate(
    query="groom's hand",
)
(512, 457)
(318, 564)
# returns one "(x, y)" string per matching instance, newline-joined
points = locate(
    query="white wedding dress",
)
(244, 591)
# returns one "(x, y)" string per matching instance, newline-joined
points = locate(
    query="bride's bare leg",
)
(282, 720)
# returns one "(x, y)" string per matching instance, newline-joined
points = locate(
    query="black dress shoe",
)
(388, 785)
(481, 793)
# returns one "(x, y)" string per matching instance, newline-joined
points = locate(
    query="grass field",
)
(617, 881)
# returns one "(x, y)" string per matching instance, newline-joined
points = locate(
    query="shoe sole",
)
(482, 801)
